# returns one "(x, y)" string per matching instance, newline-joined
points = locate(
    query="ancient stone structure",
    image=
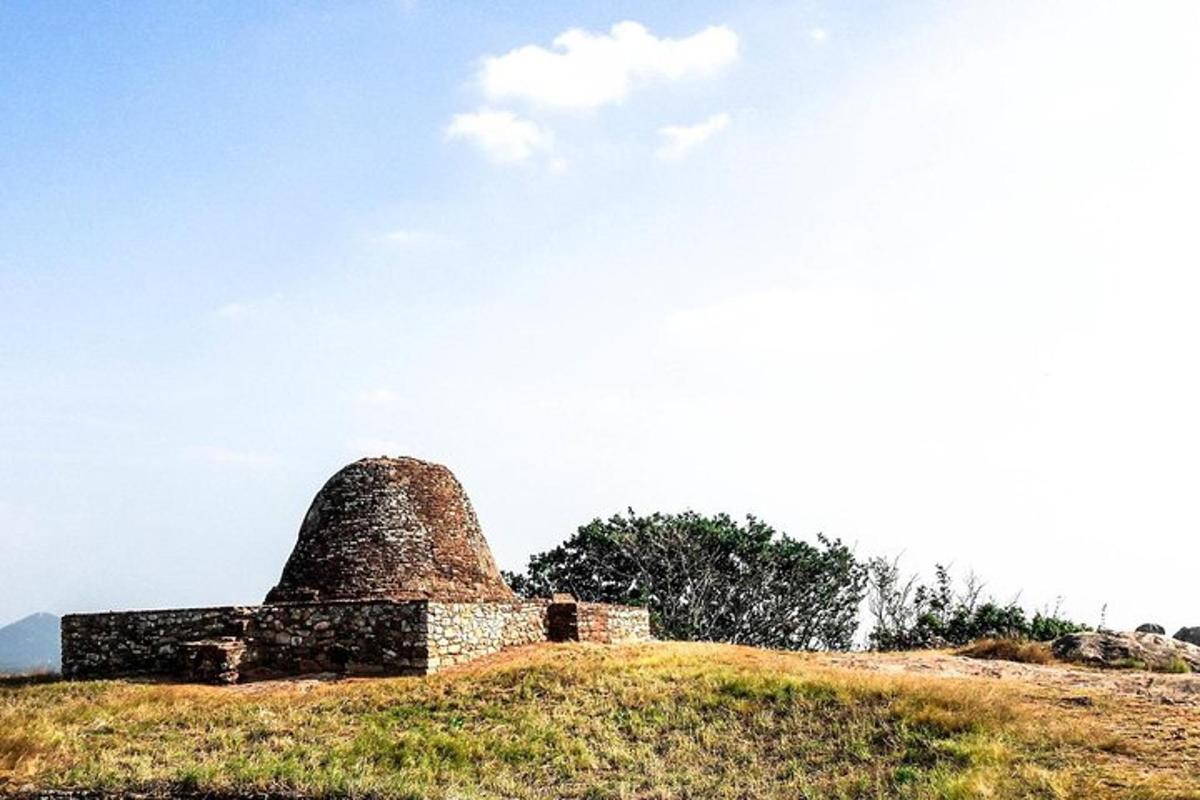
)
(390, 575)
(393, 528)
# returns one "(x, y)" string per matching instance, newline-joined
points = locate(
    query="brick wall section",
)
(609, 624)
(626, 624)
(569, 621)
(460, 632)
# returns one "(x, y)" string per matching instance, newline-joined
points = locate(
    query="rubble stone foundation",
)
(417, 637)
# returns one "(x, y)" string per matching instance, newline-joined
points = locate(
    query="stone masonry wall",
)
(356, 638)
(135, 643)
(460, 632)
(373, 637)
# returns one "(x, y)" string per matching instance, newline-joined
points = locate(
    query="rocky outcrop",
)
(1150, 627)
(1189, 635)
(394, 528)
(1128, 650)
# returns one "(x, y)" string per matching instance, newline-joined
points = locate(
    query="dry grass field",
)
(660, 720)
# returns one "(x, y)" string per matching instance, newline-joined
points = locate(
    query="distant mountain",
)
(30, 645)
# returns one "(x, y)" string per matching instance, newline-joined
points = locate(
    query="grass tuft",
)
(1021, 650)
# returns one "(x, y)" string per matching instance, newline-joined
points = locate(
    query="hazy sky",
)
(922, 276)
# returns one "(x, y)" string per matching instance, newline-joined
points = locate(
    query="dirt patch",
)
(1164, 689)
(1153, 719)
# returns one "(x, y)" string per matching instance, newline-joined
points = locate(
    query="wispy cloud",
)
(680, 140)
(586, 70)
(502, 135)
(227, 457)
(818, 35)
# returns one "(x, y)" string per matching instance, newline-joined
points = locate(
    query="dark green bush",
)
(710, 578)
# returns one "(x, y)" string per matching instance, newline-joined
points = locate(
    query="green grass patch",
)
(571, 721)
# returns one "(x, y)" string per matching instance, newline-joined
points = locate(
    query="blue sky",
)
(920, 276)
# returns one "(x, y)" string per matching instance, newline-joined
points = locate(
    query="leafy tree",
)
(709, 578)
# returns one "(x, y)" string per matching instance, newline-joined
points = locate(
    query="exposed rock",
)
(1189, 635)
(1128, 650)
(396, 528)
(1150, 627)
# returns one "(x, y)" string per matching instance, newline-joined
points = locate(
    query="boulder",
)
(1150, 627)
(1128, 650)
(1189, 635)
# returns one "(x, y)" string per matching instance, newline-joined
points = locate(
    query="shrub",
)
(908, 615)
(1177, 666)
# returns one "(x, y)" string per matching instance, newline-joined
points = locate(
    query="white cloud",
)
(226, 457)
(503, 135)
(594, 69)
(818, 35)
(679, 140)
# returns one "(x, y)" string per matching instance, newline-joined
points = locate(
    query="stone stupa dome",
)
(391, 528)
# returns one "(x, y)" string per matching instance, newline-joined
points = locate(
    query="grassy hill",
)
(586, 721)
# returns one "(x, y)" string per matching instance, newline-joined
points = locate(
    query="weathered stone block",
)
(212, 660)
